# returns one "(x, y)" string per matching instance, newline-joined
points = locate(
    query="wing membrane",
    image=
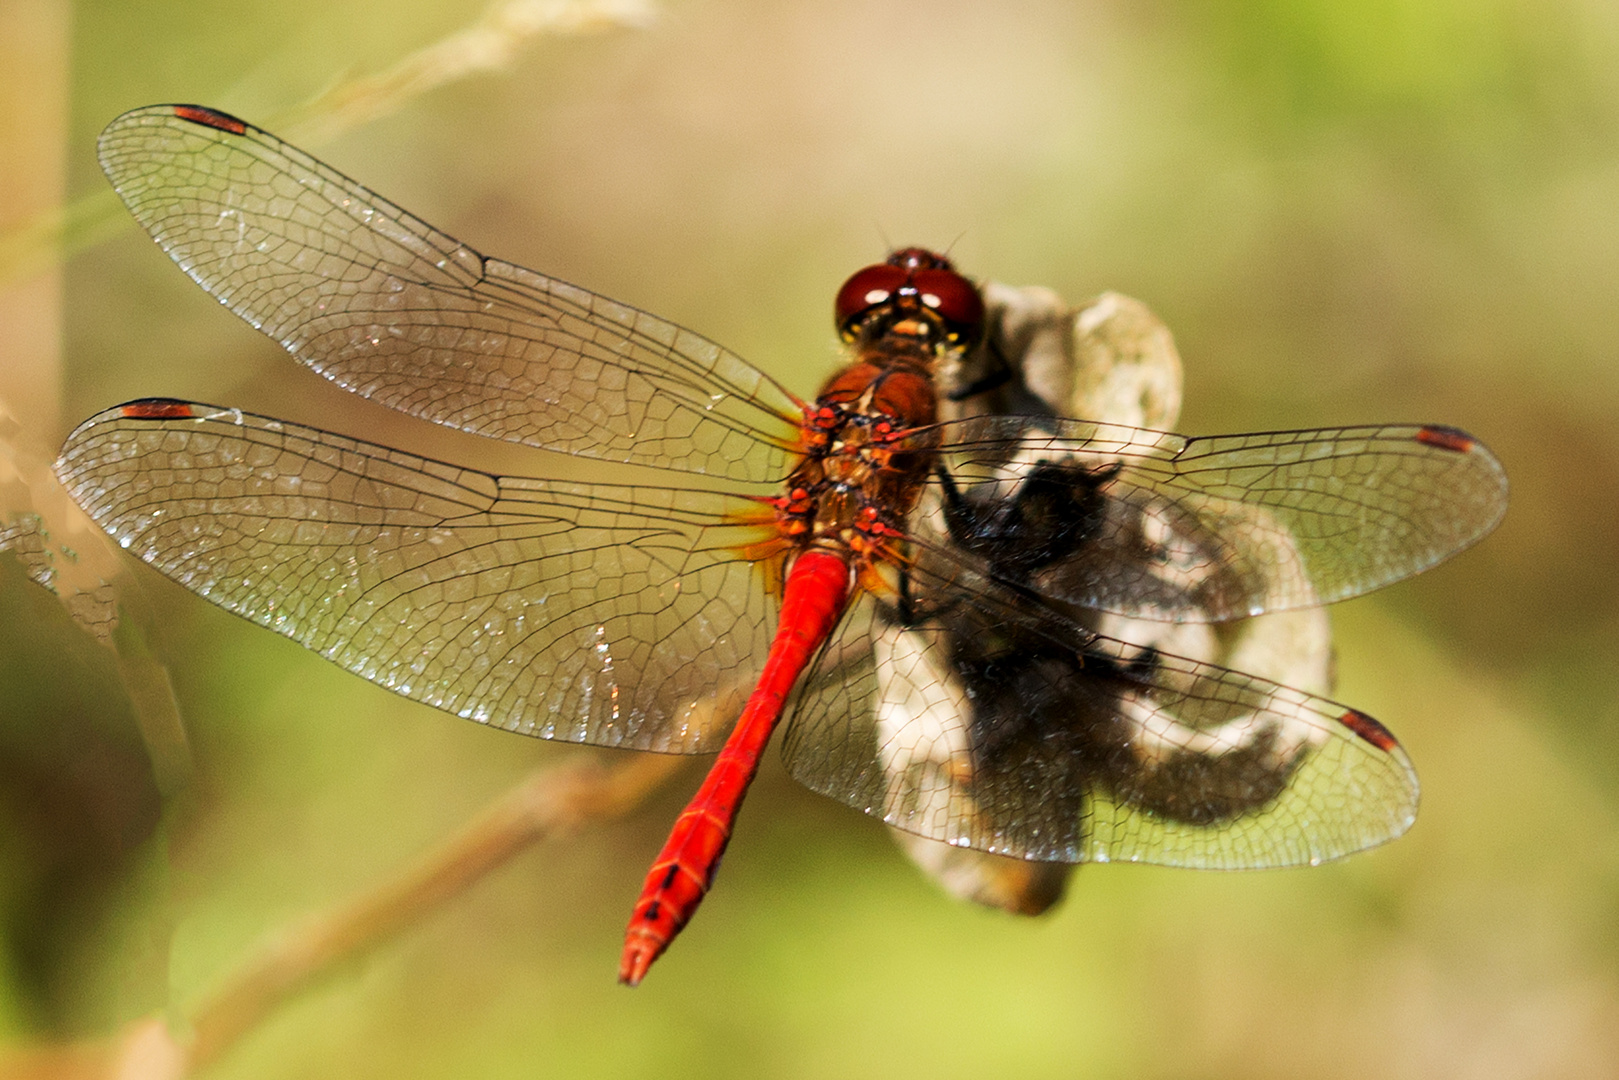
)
(385, 305)
(614, 615)
(1221, 528)
(996, 725)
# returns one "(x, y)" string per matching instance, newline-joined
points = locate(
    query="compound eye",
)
(865, 290)
(954, 299)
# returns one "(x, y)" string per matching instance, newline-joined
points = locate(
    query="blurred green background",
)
(1347, 212)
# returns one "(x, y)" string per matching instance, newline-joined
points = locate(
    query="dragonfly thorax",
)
(864, 465)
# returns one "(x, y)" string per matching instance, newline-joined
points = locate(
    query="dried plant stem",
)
(489, 44)
(547, 803)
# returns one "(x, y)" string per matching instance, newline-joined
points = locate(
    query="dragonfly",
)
(927, 601)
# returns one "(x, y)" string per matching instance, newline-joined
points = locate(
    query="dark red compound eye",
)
(954, 299)
(865, 290)
(927, 279)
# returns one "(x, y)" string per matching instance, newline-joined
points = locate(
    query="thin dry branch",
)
(487, 45)
(548, 803)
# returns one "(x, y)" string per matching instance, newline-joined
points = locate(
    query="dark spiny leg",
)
(905, 607)
(963, 522)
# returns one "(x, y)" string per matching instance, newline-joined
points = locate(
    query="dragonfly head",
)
(915, 295)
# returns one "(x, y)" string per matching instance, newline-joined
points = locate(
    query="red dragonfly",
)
(925, 599)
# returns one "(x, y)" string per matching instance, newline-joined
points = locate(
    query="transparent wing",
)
(1162, 526)
(982, 718)
(389, 307)
(620, 616)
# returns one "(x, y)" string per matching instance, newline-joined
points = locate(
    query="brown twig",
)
(547, 803)
(489, 44)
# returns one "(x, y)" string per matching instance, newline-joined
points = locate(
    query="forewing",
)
(1225, 527)
(385, 305)
(999, 726)
(613, 615)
